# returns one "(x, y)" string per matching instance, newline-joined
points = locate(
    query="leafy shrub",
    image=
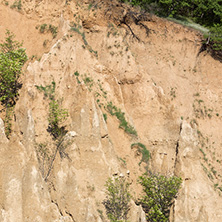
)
(159, 193)
(12, 59)
(117, 200)
(57, 115)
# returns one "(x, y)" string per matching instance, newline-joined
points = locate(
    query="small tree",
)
(12, 59)
(117, 200)
(160, 192)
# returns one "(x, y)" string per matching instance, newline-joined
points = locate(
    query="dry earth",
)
(169, 92)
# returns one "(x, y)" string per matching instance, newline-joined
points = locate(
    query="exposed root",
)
(122, 14)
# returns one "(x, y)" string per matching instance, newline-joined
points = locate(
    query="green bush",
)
(12, 59)
(206, 12)
(57, 115)
(215, 38)
(159, 193)
(117, 200)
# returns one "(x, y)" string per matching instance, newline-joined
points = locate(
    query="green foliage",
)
(76, 73)
(215, 38)
(12, 59)
(200, 109)
(17, 4)
(205, 12)
(54, 30)
(76, 28)
(159, 193)
(114, 111)
(48, 28)
(117, 200)
(88, 81)
(77, 77)
(105, 117)
(57, 115)
(43, 28)
(49, 90)
(144, 151)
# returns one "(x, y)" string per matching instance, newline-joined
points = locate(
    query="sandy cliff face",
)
(170, 94)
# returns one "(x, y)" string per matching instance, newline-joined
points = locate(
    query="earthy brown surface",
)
(169, 93)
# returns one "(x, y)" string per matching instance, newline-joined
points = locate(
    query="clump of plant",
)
(143, 150)
(56, 117)
(12, 59)
(159, 194)
(114, 111)
(48, 28)
(213, 42)
(76, 28)
(105, 117)
(54, 30)
(6, 3)
(17, 4)
(43, 28)
(173, 93)
(88, 82)
(117, 202)
(200, 110)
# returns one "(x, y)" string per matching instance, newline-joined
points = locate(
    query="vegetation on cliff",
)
(117, 200)
(159, 194)
(12, 59)
(56, 117)
(205, 12)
